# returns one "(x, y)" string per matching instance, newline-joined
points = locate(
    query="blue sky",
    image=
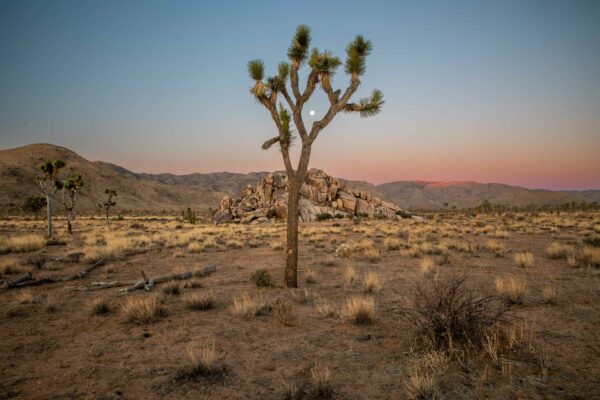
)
(487, 91)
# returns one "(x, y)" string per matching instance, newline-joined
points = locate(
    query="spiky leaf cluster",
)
(73, 183)
(324, 63)
(300, 43)
(370, 106)
(357, 52)
(286, 120)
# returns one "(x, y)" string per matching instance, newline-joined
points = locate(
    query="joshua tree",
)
(49, 184)
(323, 66)
(34, 204)
(70, 189)
(106, 206)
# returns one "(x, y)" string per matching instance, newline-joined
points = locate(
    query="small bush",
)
(511, 289)
(360, 310)
(392, 243)
(25, 296)
(142, 310)
(371, 283)
(199, 300)
(447, 311)
(326, 309)
(277, 245)
(591, 256)
(372, 254)
(262, 278)
(524, 260)
(321, 385)
(201, 362)
(324, 217)
(350, 275)
(247, 307)
(343, 251)
(100, 306)
(284, 312)
(549, 294)
(557, 250)
(172, 288)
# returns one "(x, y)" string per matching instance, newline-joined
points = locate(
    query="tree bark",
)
(291, 255)
(49, 209)
(69, 216)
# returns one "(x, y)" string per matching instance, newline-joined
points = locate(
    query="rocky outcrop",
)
(321, 196)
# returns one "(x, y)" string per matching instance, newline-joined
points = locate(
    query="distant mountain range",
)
(141, 191)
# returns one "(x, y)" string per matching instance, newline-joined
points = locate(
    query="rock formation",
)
(321, 195)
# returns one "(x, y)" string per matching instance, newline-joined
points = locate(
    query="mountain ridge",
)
(203, 190)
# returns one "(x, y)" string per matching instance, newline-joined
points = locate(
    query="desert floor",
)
(273, 342)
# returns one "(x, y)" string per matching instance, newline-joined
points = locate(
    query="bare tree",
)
(109, 203)
(323, 66)
(49, 184)
(70, 190)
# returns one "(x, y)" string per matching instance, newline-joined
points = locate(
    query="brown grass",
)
(372, 254)
(25, 243)
(591, 256)
(511, 289)
(524, 260)
(392, 243)
(371, 283)
(350, 275)
(142, 309)
(360, 310)
(201, 361)
(100, 305)
(557, 250)
(248, 307)
(321, 384)
(199, 300)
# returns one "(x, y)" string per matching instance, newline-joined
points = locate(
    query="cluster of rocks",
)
(321, 196)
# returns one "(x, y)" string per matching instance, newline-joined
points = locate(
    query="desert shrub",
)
(196, 247)
(549, 294)
(372, 254)
(360, 310)
(425, 373)
(592, 241)
(343, 251)
(99, 306)
(248, 307)
(171, 288)
(283, 312)
(524, 260)
(277, 245)
(511, 289)
(428, 266)
(310, 276)
(25, 296)
(142, 310)
(25, 243)
(321, 384)
(591, 255)
(201, 362)
(557, 250)
(262, 278)
(371, 283)
(447, 311)
(350, 275)
(199, 300)
(326, 309)
(392, 243)
(324, 217)
(11, 266)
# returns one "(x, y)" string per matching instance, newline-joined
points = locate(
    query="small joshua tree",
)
(34, 204)
(70, 189)
(109, 203)
(323, 66)
(49, 184)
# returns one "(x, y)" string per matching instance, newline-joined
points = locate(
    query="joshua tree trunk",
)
(291, 255)
(69, 218)
(49, 209)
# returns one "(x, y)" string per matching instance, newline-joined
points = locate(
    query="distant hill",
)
(141, 191)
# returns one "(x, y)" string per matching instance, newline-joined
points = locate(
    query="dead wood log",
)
(95, 286)
(19, 279)
(34, 282)
(147, 284)
(83, 273)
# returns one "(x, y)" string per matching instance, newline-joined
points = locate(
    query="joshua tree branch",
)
(294, 80)
(267, 145)
(311, 83)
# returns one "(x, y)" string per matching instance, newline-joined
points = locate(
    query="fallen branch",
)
(84, 272)
(95, 286)
(34, 282)
(147, 284)
(19, 279)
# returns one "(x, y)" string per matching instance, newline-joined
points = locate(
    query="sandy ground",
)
(65, 352)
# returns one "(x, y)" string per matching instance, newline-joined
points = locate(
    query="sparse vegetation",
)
(199, 300)
(360, 310)
(262, 278)
(142, 309)
(524, 260)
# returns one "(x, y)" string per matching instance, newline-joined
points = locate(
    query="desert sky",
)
(488, 91)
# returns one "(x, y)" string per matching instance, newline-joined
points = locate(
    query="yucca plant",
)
(70, 189)
(109, 203)
(266, 90)
(49, 184)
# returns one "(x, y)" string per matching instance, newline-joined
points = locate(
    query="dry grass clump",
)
(495, 247)
(11, 266)
(446, 312)
(360, 310)
(549, 294)
(350, 275)
(591, 256)
(557, 250)
(179, 253)
(277, 245)
(371, 283)
(321, 384)
(327, 309)
(262, 278)
(199, 300)
(25, 296)
(196, 247)
(329, 261)
(511, 289)
(172, 288)
(428, 266)
(201, 362)
(425, 373)
(25, 243)
(283, 311)
(372, 254)
(142, 309)
(248, 307)
(524, 260)
(343, 250)
(392, 243)
(310, 276)
(100, 305)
